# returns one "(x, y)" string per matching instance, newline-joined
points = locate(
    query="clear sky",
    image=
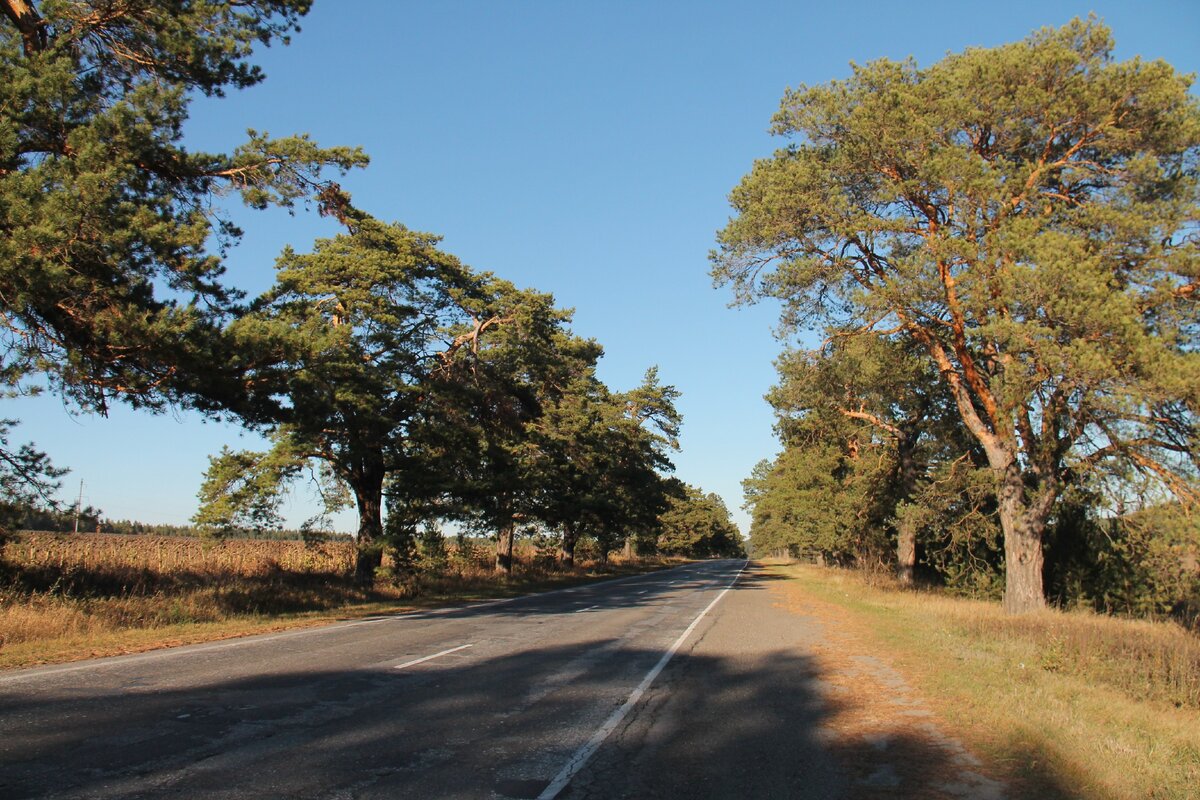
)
(581, 148)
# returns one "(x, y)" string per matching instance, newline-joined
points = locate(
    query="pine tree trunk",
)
(369, 498)
(504, 548)
(906, 552)
(566, 551)
(29, 23)
(906, 532)
(1023, 561)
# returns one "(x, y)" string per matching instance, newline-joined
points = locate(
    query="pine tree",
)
(107, 282)
(1026, 214)
(370, 355)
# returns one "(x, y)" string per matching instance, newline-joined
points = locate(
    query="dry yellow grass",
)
(175, 555)
(1067, 704)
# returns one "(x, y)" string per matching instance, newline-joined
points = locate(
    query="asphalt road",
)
(686, 683)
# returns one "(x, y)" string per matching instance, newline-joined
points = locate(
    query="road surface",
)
(693, 682)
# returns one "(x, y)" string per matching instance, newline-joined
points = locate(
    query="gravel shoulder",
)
(889, 740)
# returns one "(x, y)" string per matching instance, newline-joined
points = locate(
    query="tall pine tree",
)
(1027, 215)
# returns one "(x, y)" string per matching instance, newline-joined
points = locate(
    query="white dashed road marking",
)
(435, 655)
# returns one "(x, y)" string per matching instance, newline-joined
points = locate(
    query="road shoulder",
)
(887, 737)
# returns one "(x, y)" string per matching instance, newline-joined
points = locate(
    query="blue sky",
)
(584, 149)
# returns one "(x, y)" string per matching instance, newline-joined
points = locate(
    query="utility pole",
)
(78, 505)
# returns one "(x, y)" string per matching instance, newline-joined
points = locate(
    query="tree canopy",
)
(596, 460)
(375, 361)
(697, 525)
(1026, 216)
(368, 355)
(451, 393)
(108, 279)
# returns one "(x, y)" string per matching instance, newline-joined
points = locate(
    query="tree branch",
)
(874, 420)
(34, 36)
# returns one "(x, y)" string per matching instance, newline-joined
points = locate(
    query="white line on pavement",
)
(435, 655)
(589, 608)
(584, 754)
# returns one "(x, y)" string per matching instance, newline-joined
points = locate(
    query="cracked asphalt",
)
(486, 701)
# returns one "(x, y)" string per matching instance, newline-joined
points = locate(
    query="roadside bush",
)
(1145, 564)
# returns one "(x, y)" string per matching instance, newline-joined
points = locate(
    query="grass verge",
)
(1069, 705)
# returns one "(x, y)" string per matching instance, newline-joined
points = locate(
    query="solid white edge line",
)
(430, 658)
(585, 753)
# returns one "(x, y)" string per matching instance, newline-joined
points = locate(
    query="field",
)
(69, 596)
(1066, 705)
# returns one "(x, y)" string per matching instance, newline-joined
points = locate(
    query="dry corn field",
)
(68, 588)
(63, 593)
(171, 555)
